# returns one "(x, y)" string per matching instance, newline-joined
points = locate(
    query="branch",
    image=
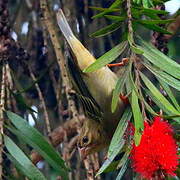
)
(129, 15)
(48, 21)
(42, 101)
(2, 104)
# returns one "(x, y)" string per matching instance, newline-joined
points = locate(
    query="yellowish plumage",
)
(100, 84)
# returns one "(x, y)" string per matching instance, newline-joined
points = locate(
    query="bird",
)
(94, 90)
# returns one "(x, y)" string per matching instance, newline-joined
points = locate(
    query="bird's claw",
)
(123, 63)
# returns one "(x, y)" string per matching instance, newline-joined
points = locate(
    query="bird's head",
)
(92, 138)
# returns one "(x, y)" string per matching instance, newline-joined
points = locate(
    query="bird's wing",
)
(90, 106)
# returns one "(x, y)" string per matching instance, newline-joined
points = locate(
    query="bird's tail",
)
(82, 54)
(64, 26)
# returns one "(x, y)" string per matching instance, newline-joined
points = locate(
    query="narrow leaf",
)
(116, 4)
(169, 92)
(21, 169)
(115, 18)
(159, 59)
(147, 3)
(111, 158)
(163, 107)
(112, 166)
(108, 57)
(158, 95)
(150, 11)
(117, 141)
(29, 169)
(25, 139)
(138, 119)
(118, 88)
(153, 11)
(173, 82)
(148, 107)
(120, 130)
(134, 48)
(107, 30)
(104, 9)
(37, 141)
(153, 22)
(154, 27)
(125, 156)
(123, 170)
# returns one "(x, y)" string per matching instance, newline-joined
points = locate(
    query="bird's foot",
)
(123, 63)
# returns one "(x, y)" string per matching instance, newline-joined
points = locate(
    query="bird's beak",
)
(83, 152)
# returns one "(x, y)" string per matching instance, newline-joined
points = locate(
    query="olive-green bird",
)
(95, 92)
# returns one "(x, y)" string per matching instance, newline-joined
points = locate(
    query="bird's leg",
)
(123, 63)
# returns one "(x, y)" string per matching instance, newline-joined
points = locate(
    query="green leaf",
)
(138, 119)
(147, 3)
(37, 141)
(154, 27)
(21, 101)
(159, 59)
(173, 82)
(107, 30)
(21, 169)
(163, 107)
(115, 4)
(151, 15)
(160, 98)
(117, 141)
(123, 170)
(128, 84)
(115, 18)
(148, 107)
(118, 88)
(104, 9)
(110, 159)
(21, 136)
(137, 2)
(108, 57)
(120, 130)
(22, 160)
(134, 48)
(153, 22)
(125, 156)
(169, 92)
(112, 166)
(152, 11)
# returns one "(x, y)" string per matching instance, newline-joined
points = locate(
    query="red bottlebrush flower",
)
(156, 154)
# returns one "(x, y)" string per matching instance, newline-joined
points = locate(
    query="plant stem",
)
(129, 15)
(2, 102)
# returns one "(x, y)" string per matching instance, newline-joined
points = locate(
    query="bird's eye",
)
(85, 139)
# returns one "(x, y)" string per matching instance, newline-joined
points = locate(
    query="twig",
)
(10, 101)
(41, 98)
(56, 86)
(70, 148)
(48, 21)
(68, 152)
(138, 68)
(129, 15)
(96, 164)
(89, 168)
(2, 106)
